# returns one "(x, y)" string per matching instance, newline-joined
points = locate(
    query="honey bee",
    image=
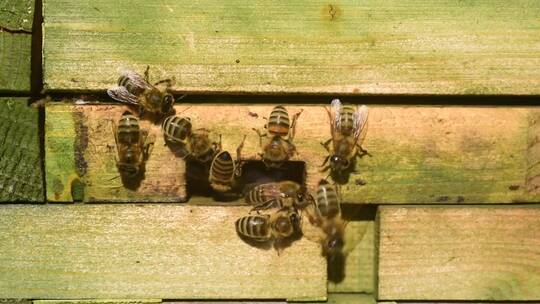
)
(273, 228)
(200, 147)
(285, 194)
(224, 171)
(281, 130)
(134, 89)
(132, 143)
(348, 127)
(326, 215)
(176, 129)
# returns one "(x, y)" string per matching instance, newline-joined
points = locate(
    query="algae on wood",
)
(489, 253)
(147, 251)
(16, 18)
(80, 159)
(21, 179)
(420, 154)
(347, 47)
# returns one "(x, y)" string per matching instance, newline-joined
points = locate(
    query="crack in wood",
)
(12, 31)
(532, 181)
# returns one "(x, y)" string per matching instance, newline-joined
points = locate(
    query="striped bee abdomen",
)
(124, 81)
(257, 195)
(279, 123)
(128, 129)
(347, 120)
(222, 168)
(176, 129)
(327, 200)
(254, 227)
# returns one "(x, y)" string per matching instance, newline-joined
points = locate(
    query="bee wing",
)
(122, 94)
(360, 118)
(135, 78)
(335, 114)
(271, 190)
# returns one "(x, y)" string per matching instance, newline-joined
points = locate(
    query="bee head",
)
(333, 245)
(338, 163)
(167, 103)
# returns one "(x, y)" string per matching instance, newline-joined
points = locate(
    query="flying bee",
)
(275, 228)
(224, 171)
(133, 145)
(176, 129)
(325, 213)
(284, 194)
(281, 131)
(348, 126)
(134, 89)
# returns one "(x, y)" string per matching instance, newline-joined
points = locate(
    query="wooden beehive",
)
(444, 209)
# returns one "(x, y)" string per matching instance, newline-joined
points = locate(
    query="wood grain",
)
(15, 52)
(21, 176)
(345, 47)
(17, 15)
(80, 152)
(420, 154)
(147, 251)
(459, 253)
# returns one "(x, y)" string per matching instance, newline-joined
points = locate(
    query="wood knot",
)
(333, 11)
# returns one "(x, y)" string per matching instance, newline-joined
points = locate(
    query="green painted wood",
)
(343, 47)
(20, 159)
(489, 253)
(15, 50)
(17, 15)
(152, 251)
(93, 301)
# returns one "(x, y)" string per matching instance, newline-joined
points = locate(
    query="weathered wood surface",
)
(147, 251)
(21, 178)
(459, 253)
(372, 47)
(16, 18)
(81, 159)
(358, 270)
(420, 154)
(92, 301)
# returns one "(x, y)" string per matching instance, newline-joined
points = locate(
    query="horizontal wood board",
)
(345, 47)
(21, 177)
(147, 251)
(420, 154)
(459, 253)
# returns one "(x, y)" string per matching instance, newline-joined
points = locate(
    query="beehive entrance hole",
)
(253, 173)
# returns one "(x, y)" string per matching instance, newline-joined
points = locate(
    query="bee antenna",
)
(114, 177)
(184, 109)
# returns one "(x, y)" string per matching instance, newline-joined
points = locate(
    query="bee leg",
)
(293, 124)
(168, 82)
(325, 161)
(364, 151)
(260, 136)
(147, 74)
(265, 205)
(326, 144)
(239, 162)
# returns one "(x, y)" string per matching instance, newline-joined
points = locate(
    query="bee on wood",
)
(275, 228)
(285, 194)
(325, 213)
(200, 147)
(133, 145)
(348, 126)
(224, 171)
(176, 129)
(134, 89)
(281, 130)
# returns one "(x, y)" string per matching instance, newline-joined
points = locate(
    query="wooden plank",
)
(459, 253)
(420, 154)
(147, 251)
(80, 159)
(21, 178)
(93, 301)
(373, 47)
(15, 52)
(358, 273)
(16, 17)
